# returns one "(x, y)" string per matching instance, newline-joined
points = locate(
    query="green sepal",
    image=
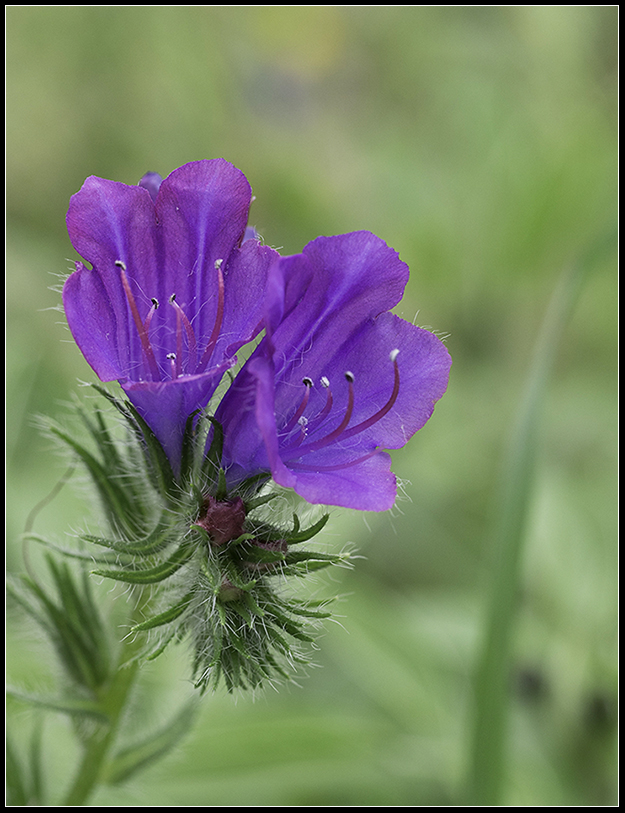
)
(165, 617)
(243, 538)
(154, 542)
(296, 536)
(151, 575)
(100, 433)
(252, 605)
(212, 462)
(114, 498)
(247, 616)
(256, 502)
(306, 612)
(293, 628)
(256, 555)
(221, 490)
(159, 467)
(232, 574)
(187, 461)
(253, 484)
(153, 655)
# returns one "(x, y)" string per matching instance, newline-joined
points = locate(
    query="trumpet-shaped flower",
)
(175, 286)
(337, 378)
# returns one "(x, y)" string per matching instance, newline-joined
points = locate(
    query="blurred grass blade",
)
(17, 794)
(492, 673)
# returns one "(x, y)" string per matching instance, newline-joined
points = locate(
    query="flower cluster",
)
(173, 283)
(178, 284)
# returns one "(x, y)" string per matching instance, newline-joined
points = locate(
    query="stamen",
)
(219, 316)
(143, 335)
(360, 427)
(174, 365)
(308, 383)
(148, 318)
(182, 320)
(320, 418)
(319, 444)
(342, 431)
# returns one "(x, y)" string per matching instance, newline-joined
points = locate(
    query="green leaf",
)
(74, 626)
(72, 554)
(487, 766)
(75, 708)
(135, 758)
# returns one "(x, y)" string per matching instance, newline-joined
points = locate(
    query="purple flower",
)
(336, 379)
(174, 289)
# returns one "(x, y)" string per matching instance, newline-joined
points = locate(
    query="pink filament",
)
(210, 347)
(183, 321)
(300, 409)
(341, 430)
(360, 427)
(143, 336)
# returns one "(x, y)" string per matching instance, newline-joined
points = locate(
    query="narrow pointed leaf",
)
(302, 536)
(75, 708)
(154, 574)
(131, 760)
(165, 617)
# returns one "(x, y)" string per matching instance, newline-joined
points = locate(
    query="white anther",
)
(171, 356)
(120, 264)
(349, 376)
(325, 382)
(307, 382)
(302, 421)
(218, 264)
(394, 353)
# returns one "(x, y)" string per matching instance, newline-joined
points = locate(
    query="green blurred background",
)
(480, 142)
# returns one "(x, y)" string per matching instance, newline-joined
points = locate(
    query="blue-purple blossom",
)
(336, 379)
(175, 287)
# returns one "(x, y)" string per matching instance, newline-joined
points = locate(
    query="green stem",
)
(492, 674)
(113, 700)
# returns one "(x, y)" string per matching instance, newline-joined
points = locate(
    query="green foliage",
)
(220, 596)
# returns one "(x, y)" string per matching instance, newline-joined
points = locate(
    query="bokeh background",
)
(479, 142)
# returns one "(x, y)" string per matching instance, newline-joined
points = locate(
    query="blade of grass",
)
(487, 758)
